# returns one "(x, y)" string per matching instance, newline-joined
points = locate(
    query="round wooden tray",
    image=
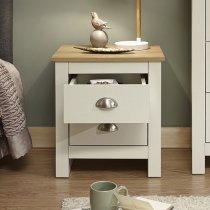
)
(108, 50)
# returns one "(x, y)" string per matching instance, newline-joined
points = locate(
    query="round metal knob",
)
(108, 127)
(106, 103)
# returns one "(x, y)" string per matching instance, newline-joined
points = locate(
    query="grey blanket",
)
(14, 136)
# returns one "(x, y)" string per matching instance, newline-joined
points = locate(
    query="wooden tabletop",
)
(67, 53)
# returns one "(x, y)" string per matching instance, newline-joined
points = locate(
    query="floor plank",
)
(29, 183)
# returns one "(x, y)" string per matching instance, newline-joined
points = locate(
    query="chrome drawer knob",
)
(106, 103)
(108, 127)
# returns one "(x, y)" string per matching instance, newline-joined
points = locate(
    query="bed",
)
(14, 136)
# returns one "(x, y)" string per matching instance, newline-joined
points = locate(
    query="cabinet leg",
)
(154, 159)
(62, 158)
(154, 163)
(198, 165)
(198, 157)
(198, 132)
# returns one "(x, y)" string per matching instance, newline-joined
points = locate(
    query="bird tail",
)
(107, 27)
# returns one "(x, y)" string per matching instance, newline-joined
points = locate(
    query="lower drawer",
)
(127, 134)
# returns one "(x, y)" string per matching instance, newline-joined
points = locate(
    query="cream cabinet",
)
(200, 84)
(108, 121)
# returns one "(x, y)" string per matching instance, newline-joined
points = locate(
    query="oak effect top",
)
(67, 53)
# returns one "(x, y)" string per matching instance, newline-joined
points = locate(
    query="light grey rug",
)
(179, 203)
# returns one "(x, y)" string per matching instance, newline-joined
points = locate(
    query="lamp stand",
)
(138, 44)
(138, 20)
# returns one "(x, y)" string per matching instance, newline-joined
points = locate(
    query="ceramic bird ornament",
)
(97, 23)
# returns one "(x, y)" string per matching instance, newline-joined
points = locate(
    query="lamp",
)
(138, 44)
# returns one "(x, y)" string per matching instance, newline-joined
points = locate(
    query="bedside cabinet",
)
(200, 84)
(108, 121)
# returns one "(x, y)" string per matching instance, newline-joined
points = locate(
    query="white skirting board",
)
(172, 137)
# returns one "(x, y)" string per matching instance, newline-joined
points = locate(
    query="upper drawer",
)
(207, 20)
(207, 66)
(107, 68)
(130, 103)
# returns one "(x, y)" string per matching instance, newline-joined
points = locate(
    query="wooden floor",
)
(29, 183)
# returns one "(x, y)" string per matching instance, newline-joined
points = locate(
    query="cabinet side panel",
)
(198, 86)
(62, 156)
(154, 127)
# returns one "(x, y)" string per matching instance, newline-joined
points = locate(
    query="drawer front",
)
(208, 67)
(97, 68)
(88, 134)
(132, 103)
(208, 117)
(207, 20)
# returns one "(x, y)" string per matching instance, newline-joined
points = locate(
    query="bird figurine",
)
(97, 23)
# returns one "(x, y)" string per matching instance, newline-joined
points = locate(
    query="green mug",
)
(102, 195)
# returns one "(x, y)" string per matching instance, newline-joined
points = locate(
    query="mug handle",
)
(122, 189)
